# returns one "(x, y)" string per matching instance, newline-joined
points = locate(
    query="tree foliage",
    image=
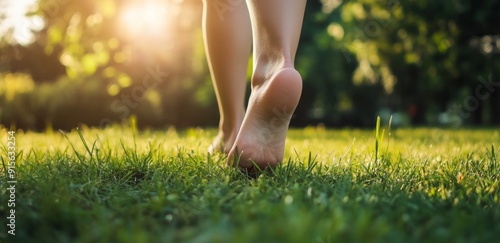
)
(430, 61)
(427, 54)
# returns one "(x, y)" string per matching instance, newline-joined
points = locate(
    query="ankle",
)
(266, 68)
(230, 128)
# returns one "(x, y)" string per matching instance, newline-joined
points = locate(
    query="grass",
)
(120, 185)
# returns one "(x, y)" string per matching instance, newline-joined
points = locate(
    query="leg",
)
(227, 34)
(276, 85)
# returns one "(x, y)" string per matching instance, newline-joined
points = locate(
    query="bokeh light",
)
(17, 26)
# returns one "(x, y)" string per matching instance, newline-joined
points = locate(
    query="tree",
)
(421, 52)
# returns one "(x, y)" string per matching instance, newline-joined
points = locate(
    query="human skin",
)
(276, 85)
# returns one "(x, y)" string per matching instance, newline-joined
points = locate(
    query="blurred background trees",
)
(96, 62)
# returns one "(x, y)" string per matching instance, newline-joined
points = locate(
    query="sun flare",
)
(145, 18)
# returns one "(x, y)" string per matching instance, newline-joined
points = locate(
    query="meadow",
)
(119, 184)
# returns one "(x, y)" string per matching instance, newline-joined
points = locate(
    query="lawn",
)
(122, 185)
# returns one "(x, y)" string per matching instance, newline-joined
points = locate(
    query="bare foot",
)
(228, 130)
(222, 142)
(261, 139)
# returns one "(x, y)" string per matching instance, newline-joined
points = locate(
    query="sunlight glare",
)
(15, 24)
(144, 18)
